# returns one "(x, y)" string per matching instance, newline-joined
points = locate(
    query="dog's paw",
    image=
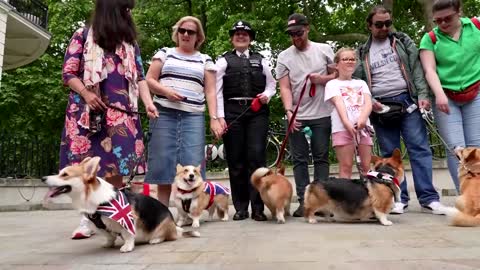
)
(155, 241)
(195, 224)
(281, 221)
(387, 223)
(225, 217)
(126, 248)
(312, 221)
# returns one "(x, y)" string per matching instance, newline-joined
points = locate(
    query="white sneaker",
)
(399, 208)
(435, 208)
(83, 230)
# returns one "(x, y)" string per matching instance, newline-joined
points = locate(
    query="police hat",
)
(242, 25)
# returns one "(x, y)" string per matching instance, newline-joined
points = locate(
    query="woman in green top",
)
(450, 56)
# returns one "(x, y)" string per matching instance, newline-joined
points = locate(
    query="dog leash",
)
(427, 115)
(292, 120)
(216, 140)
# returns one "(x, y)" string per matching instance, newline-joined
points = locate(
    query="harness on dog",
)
(214, 188)
(211, 188)
(117, 209)
(386, 179)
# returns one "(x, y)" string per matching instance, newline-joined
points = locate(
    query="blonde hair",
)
(200, 33)
(336, 59)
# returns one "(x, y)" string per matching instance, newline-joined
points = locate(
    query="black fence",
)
(27, 157)
(34, 10)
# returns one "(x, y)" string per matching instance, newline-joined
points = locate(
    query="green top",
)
(458, 62)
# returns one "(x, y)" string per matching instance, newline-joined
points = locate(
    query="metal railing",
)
(33, 10)
(27, 157)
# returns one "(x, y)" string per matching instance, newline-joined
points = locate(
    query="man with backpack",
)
(390, 65)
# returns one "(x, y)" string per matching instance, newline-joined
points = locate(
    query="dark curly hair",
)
(112, 23)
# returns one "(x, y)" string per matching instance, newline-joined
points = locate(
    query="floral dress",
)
(119, 143)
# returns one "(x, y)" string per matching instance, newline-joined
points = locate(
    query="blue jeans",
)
(319, 143)
(177, 137)
(459, 128)
(414, 134)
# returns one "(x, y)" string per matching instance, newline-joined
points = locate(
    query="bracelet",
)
(82, 90)
(289, 110)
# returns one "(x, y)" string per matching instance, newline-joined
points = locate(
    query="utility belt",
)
(467, 95)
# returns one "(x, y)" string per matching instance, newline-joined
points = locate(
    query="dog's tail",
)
(461, 219)
(183, 233)
(258, 174)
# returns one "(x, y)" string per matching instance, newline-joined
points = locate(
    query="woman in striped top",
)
(182, 79)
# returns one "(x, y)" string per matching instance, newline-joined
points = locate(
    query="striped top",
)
(184, 74)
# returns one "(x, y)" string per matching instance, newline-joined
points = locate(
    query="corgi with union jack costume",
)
(136, 218)
(193, 195)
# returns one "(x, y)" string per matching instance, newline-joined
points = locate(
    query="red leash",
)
(292, 120)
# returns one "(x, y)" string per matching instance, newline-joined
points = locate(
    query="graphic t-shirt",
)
(387, 78)
(353, 94)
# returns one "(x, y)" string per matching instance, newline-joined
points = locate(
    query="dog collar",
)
(183, 191)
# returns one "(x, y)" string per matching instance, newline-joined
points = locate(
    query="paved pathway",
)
(40, 240)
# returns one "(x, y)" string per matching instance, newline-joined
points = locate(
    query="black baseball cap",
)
(244, 26)
(296, 22)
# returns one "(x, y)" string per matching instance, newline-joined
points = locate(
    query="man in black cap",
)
(306, 58)
(242, 76)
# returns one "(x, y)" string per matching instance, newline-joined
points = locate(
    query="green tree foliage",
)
(33, 98)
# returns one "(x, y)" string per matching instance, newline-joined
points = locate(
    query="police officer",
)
(243, 75)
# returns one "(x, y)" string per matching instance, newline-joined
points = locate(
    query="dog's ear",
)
(198, 169)
(459, 152)
(91, 166)
(397, 154)
(470, 155)
(179, 168)
(85, 160)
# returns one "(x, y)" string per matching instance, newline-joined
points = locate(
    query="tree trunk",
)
(427, 14)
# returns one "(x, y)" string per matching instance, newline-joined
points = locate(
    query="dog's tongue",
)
(49, 194)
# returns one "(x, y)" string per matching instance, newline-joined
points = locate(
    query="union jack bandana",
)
(119, 210)
(214, 188)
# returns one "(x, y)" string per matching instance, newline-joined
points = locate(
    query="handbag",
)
(467, 95)
(390, 118)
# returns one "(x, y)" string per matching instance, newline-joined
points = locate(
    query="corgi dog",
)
(467, 206)
(193, 195)
(358, 200)
(134, 217)
(275, 190)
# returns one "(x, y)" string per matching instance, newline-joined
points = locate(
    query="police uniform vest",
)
(244, 76)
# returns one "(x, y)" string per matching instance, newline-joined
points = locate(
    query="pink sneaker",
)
(83, 230)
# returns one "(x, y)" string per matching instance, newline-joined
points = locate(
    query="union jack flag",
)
(119, 209)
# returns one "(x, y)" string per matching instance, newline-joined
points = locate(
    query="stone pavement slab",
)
(40, 240)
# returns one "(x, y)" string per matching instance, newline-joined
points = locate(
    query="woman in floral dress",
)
(105, 75)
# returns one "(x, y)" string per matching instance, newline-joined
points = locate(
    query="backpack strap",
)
(476, 22)
(432, 36)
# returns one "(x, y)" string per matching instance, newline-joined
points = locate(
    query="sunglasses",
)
(381, 24)
(296, 33)
(446, 19)
(189, 32)
(348, 60)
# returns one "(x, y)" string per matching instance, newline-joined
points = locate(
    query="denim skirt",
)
(177, 137)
